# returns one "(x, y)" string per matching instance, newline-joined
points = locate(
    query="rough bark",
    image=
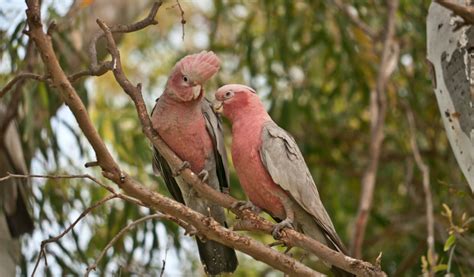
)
(451, 58)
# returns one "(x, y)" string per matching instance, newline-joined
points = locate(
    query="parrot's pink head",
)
(237, 101)
(189, 74)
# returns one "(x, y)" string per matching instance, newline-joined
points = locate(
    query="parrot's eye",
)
(228, 94)
(185, 78)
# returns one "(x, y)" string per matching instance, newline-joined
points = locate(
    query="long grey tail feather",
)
(341, 272)
(338, 272)
(20, 222)
(216, 258)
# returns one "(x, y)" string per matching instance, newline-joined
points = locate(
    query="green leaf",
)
(449, 242)
(440, 267)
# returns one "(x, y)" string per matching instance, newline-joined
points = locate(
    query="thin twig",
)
(117, 236)
(426, 188)
(183, 21)
(56, 177)
(355, 19)
(99, 70)
(378, 109)
(20, 77)
(80, 176)
(147, 21)
(58, 237)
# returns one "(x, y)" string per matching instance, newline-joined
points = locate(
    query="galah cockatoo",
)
(184, 119)
(272, 170)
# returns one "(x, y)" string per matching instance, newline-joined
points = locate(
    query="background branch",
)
(430, 239)
(378, 110)
(44, 243)
(355, 19)
(118, 235)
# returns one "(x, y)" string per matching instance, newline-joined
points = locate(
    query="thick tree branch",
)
(378, 109)
(465, 12)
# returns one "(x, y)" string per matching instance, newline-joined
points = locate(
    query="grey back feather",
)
(285, 164)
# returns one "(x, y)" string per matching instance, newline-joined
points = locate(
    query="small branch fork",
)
(206, 226)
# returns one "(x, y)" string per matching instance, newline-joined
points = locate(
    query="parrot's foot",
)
(184, 165)
(281, 243)
(287, 223)
(191, 232)
(242, 205)
(203, 175)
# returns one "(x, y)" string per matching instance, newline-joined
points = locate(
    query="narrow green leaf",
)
(449, 242)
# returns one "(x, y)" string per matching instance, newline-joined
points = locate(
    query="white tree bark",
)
(451, 54)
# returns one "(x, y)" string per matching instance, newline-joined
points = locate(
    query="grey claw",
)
(184, 165)
(287, 223)
(203, 175)
(242, 205)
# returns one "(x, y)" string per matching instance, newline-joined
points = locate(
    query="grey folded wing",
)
(214, 128)
(285, 164)
(14, 193)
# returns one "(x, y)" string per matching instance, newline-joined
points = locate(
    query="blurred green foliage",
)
(313, 69)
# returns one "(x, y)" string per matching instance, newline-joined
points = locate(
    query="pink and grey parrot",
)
(272, 170)
(184, 119)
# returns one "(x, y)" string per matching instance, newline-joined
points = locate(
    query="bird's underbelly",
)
(257, 183)
(193, 146)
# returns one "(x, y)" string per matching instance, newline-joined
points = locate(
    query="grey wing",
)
(161, 167)
(285, 164)
(214, 127)
(14, 193)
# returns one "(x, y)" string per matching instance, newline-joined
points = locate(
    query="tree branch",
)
(355, 19)
(42, 252)
(466, 13)
(117, 236)
(21, 77)
(430, 239)
(378, 109)
(147, 21)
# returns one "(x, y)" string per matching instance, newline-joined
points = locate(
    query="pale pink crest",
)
(199, 67)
